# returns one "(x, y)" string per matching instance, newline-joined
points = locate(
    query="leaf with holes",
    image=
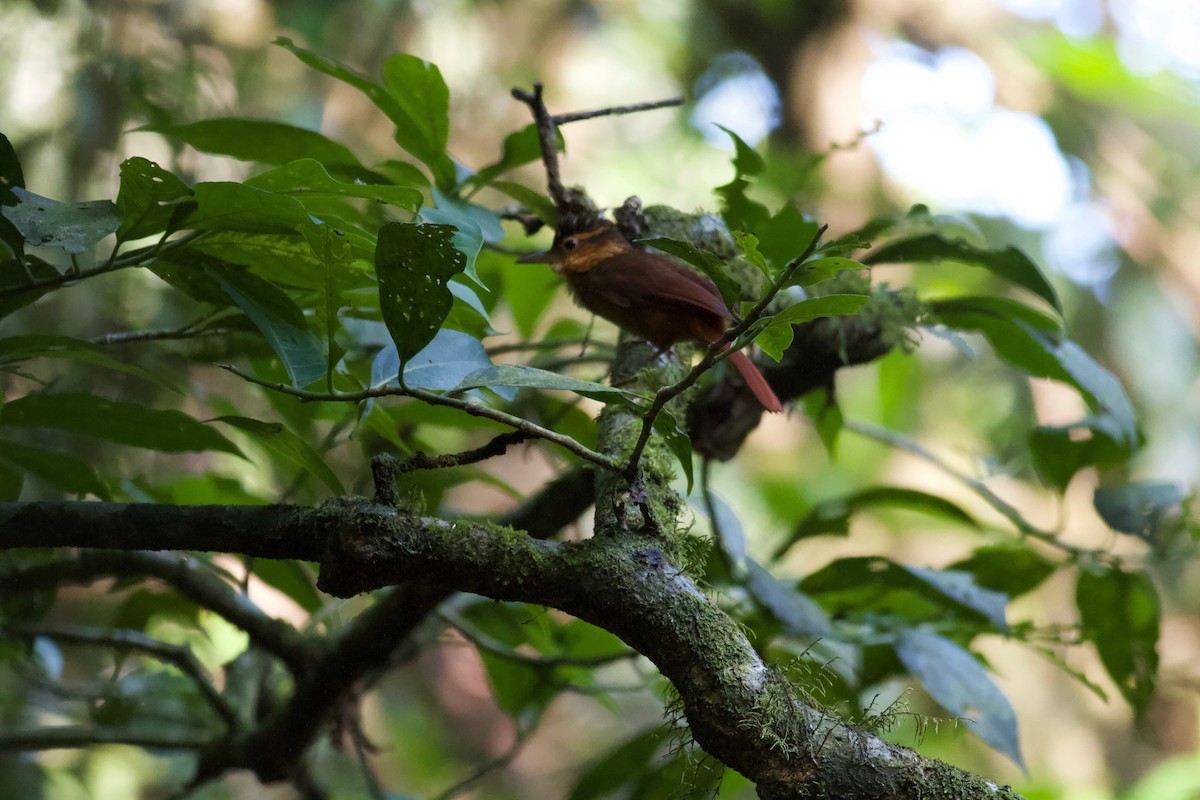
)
(415, 262)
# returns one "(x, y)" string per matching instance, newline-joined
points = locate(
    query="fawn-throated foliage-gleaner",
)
(648, 295)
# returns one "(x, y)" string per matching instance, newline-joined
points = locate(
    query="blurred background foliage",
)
(1066, 127)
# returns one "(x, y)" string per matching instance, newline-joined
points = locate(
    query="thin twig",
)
(472, 407)
(181, 657)
(563, 119)
(499, 762)
(131, 259)
(547, 140)
(716, 352)
(979, 487)
(58, 737)
(161, 334)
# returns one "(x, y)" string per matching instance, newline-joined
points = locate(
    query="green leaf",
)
(745, 160)
(826, 417)
(538, 204)
(618, 766)
(440, 366)
(16, 349)
(280, 320)
(1009, 263)
(293, 579)
(1059, 452)
(468, 236)
(11, 481)
(1030, 341)
(955, 679)
(707, 262)
(520, 147)
(678, 442)
(335, 257)
(423, 100)
(961, 587)
(123, 423)
(226, 206)
(785, 236)
(1013, 569)
(1119, 612)
(874, 589)
(287, 445)
(259, 140)
(1139, 508)
(414, 263)
(15, 274)
(529, 292)
(777, 336)
(832, 517)
(64, 472)
(11, 174)
(75, 227)
(307, 181)
(798, 614)
(822, 269)
(150, 198)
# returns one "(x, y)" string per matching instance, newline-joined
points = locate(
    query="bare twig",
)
(548, 140)
(472, 407)
(177, 655)
(633, 108)
(979, 487)
(53, 738)
(488, 767)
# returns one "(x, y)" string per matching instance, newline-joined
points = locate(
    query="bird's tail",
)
(757, 383)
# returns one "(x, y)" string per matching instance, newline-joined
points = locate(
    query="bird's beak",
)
(543, 257)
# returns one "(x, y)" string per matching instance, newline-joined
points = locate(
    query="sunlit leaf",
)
(279, 440)
(777, 336)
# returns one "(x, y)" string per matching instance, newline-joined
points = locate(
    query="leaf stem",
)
(472, 407)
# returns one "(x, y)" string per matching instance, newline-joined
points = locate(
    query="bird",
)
(647, 294)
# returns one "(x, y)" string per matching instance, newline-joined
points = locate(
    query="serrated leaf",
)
(1139, 508)
(777, 336)
(1009, 263)
(149, 198)
(955, 679)
(282, 442)
(75, 227)
(123, 423)
(279, 319)
(64, 472)
(414, 262)
(1119, 612)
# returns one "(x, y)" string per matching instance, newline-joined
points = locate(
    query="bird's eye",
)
(569, 244)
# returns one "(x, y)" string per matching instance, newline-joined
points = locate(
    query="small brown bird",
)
(646, 294)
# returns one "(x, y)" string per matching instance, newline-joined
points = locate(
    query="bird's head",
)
(581, 242)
